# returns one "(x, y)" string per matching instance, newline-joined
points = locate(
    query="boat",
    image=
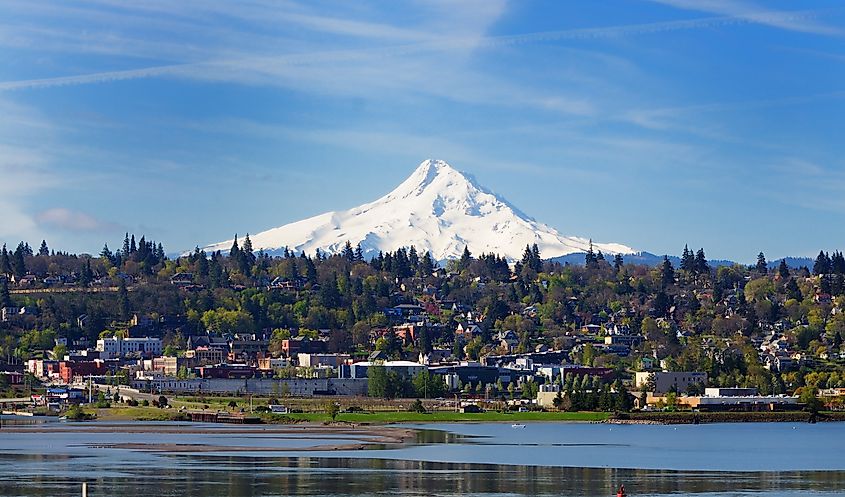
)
(517, 425)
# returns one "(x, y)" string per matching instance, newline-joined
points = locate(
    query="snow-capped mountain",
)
(438, 209)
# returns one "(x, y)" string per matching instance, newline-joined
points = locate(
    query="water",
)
(490, 460)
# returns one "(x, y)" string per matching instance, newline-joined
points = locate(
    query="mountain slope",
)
(437, 209)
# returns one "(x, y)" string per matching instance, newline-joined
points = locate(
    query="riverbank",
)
(686, 417)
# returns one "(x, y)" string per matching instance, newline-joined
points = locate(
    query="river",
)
(485, 459)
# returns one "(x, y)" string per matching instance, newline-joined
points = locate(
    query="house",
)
(507, 339)
(467, 331)
(182, 279)
(7, 314)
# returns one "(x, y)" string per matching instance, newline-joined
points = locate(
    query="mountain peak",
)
(437, 209)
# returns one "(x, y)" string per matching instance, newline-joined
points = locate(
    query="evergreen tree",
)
(86, 276)
(783, 269)
(359, 254)
(5, 297)
(426, 265)
(413, 260)
(762, 267)
(125, 250)
(667, 272)
(618, 262)
(466, 259)
(5, 262)
(18, 262)
(688, 260)
(107, 254)
(792, 290)
(132, 247)
(348, 253)
(124, 308)
(701, 265)
(43, 251)
(590, 259)
(822, 264)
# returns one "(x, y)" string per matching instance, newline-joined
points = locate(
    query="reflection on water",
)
(210, 476)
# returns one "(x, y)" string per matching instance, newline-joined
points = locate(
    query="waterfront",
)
(467, 459)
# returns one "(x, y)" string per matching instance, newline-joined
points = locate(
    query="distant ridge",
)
(437, 209)
(649, 259)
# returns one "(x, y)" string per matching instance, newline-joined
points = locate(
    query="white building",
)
(664, 381)
(119, 347)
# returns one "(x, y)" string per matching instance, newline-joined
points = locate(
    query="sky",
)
(713, 123)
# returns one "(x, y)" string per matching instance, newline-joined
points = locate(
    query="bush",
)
(162, 401)
(417, 406)
(145, 403)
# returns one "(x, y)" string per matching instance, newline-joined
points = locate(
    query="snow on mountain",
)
(438, 209)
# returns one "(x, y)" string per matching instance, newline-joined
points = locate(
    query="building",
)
(665, 381)
(120, 347)
(239, 371)
(68, 370)
(315, 360)
(407, 369)
(204, 356)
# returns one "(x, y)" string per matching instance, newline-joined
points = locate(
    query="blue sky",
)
(716, 123)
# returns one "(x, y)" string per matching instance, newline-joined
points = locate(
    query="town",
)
(136, 327)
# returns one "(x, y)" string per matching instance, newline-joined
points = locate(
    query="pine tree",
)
(359, 253)
(5, 297)
(701, 266)
(43, 250)
(125, 251)
(590, 259)
(762, 266)
(426, 265)
(5, 262)
(107, 254)
(123, 306)
(618, 262)
(667, 272)
(783, 269)
(688, 260)
(822, 264)
(466, 259)
(132, 247)
(234, 252)
(348, 253)
(18, 262)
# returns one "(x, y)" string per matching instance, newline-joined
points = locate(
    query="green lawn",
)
(448, 416)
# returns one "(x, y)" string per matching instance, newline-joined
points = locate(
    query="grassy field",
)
(141, 413)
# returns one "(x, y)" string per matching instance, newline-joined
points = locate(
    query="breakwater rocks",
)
(669, 418)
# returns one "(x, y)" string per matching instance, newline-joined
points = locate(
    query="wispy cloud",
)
(62, 218)
(806, 21)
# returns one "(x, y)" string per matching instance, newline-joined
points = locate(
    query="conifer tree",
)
(618, 262)
(125, 250)
(43, 250)
(762, 266)
(590, 259)
(688, 260)
(822, 264)
(701, 265)
(132, 247)
(667, 272)
(359, 253)
(783, 269)
(5, 262)
(5, 297)
(466, 258)
(107, 254)
(347, 252)
(18, 262)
